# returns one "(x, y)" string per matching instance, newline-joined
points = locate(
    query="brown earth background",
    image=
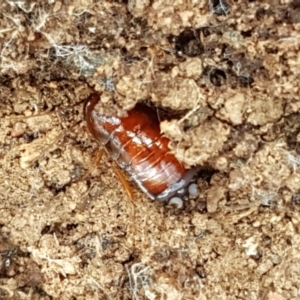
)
(227, 76)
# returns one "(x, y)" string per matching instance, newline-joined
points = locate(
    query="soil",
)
(226, 74)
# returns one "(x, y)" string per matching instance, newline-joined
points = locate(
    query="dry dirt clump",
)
(224, 78)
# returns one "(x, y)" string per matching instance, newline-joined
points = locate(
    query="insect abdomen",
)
(137, 146)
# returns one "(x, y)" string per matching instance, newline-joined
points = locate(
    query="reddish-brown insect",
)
(137, 146)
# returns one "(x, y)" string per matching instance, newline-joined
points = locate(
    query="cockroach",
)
(135, 143)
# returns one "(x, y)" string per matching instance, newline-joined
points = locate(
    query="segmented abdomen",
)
(137, 146)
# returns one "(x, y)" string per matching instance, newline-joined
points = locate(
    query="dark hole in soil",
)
(188, 43)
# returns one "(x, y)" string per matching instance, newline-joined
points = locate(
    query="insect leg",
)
(123, 180)
(95, 164)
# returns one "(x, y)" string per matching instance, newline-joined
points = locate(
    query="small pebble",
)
(176, 201)
(193, 190)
